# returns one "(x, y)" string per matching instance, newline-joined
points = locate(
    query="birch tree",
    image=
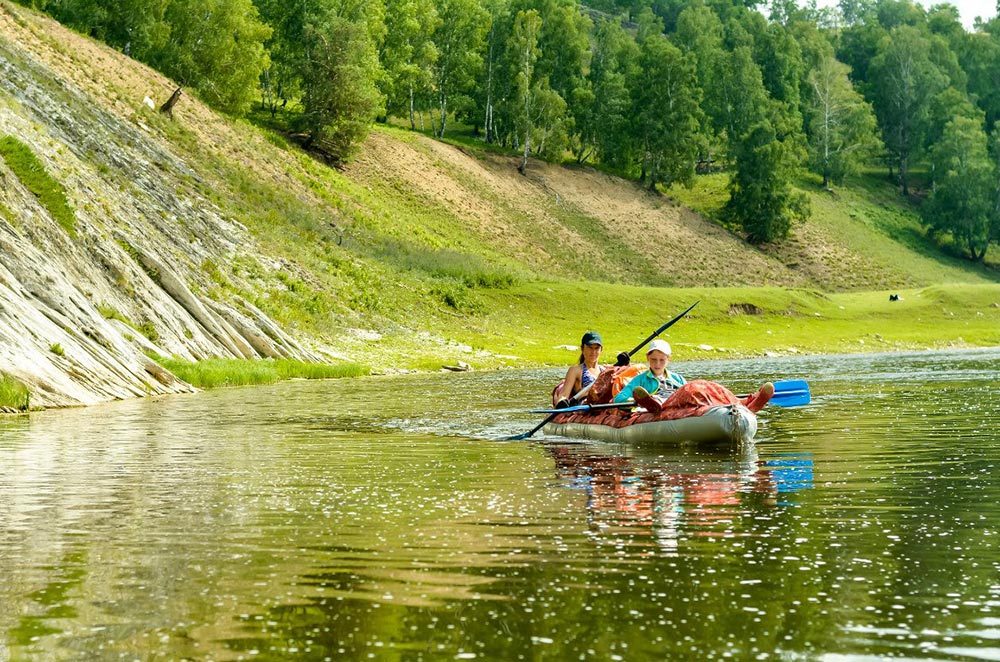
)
(666, 112)
(524, 46)
(216, 47)
(603, 111)
(459, 41)
(903, 80)
(699, 32)
(842, 125)
(408, 54)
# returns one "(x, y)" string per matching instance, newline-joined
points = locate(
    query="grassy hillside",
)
(420, 252)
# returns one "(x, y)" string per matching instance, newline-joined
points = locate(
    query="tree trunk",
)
(444, 115)
(413, 125)
(168, 107)
(977, 255)
(488, 119)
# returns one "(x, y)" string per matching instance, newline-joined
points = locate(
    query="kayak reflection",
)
(673, 496)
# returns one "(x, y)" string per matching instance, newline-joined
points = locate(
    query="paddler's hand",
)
(623, 359)
(563, 403)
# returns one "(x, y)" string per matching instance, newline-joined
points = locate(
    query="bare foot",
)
(761, 397)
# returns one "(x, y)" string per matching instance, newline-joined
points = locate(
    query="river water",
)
(386, 519)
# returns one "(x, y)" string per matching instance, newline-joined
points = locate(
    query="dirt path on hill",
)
(560, 220)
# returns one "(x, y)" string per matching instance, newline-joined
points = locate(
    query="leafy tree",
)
(842, 125)
(699, 32)
(603, 109)
(137, 27)
(524, 46)
(979, 55)
(408, 54)
(903, 81)
(963, 202)
(857, 46)
(738, 99)
(944, 20)
(761, 200)
(216, 47)
(340, 98)
(564, 42)
(282, 80)
(550, 123)
(667, 112)
(946, 106)
(945, 59)
(495, 83)
(780, 59)
(459, 40)
(856, 11)
(895, 13)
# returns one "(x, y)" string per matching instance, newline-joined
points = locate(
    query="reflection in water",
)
(667, 494)
(315, 521)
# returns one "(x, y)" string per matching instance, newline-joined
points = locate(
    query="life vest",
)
(610, 383)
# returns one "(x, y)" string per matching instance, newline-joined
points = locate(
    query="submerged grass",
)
(214, 373)
(14, 394)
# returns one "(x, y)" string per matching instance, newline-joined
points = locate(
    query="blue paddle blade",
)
(791, 393)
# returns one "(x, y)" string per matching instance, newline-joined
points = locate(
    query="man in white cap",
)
(651, 388)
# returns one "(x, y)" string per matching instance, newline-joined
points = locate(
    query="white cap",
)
(661, 345)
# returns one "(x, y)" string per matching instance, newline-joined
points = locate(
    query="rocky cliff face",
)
(80, 310)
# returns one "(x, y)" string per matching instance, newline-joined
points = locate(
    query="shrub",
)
(13, 393)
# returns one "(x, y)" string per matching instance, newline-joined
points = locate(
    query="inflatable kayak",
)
(699, 412)
(731, 424)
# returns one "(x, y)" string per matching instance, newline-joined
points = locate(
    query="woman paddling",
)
(581, 375)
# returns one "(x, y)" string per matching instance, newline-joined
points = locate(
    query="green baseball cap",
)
(592, 338)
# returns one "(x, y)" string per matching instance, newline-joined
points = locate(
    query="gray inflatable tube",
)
(734, 424)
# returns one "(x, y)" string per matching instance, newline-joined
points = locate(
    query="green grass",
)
(8, 215)
(866, 220)
(379, 255)
(33, 175)
(214, 373)
(111, 313)
(14, 394)
(532, 321)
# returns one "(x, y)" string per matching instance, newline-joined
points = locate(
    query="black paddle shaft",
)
(662, 329)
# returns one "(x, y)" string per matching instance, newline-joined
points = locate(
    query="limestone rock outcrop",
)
(83, 311)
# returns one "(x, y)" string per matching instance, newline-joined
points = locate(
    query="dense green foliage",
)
(652, 90)
(216, 47)
(33, 175)
(963, 174)
(761, 199)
